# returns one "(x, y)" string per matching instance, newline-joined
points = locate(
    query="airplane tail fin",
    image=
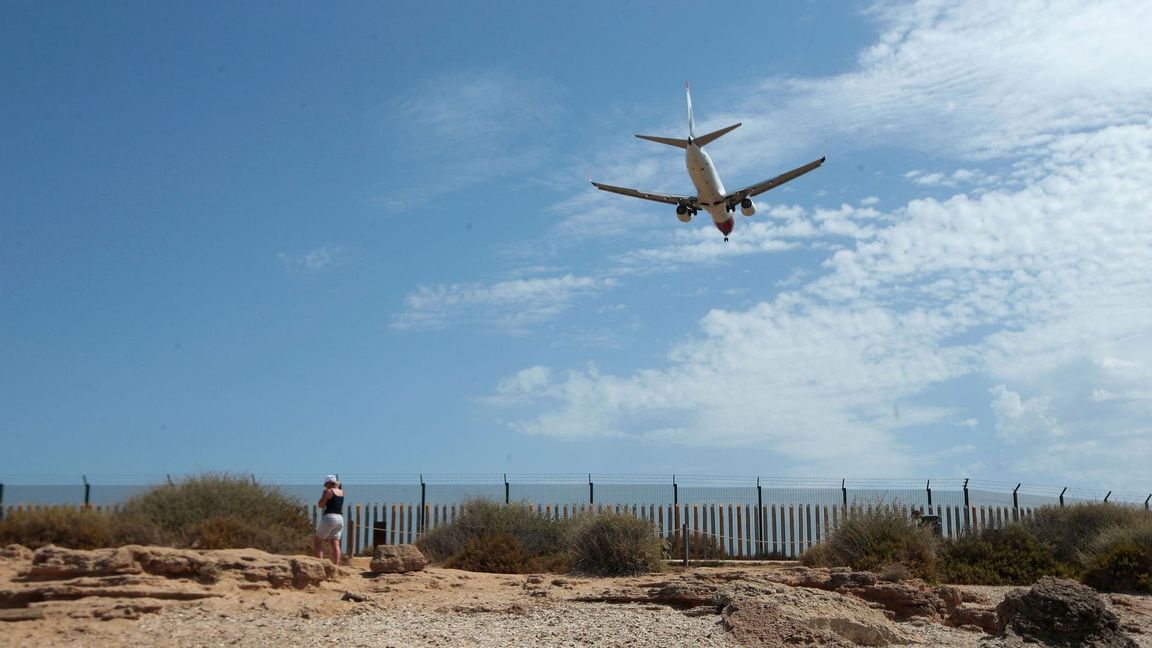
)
(699, 141)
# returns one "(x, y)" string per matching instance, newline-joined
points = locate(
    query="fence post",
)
(591, 491)
(1062, 496)
(168, 476)
(759, 518)
(844, 493)
(1107, 496)
(423, 499)
(684, 534)
(675, 492)
(1015, 499)
(967, 508)
(506, 489)
(1145, 501)
(87, 491)
(928, 487)
(2, 501)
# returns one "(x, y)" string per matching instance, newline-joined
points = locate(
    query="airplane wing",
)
(671, 199)
(761, 187)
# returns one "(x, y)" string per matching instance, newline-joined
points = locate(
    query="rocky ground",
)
(148, 596)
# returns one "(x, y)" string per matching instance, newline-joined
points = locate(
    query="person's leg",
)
(318, 546)
(336, 550)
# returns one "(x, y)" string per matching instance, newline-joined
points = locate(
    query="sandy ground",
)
(435, 607)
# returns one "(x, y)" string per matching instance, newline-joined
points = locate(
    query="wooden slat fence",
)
(742, 531)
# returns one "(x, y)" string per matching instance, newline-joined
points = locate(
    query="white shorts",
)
(330, 527)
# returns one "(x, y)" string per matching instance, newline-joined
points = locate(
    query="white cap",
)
(331, 479)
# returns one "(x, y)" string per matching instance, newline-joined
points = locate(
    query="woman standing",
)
(331, 524)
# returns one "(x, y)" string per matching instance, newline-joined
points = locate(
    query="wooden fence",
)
(742, 531)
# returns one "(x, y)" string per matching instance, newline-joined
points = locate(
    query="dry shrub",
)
(701, 546)
(614, 544)
(1120, 558)
(875, 538)
(536, 533)
(495, 553)
(1008, 556)
(66, 526)
(224, 511)
(1071, 530)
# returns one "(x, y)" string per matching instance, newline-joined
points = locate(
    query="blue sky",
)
(291, 239)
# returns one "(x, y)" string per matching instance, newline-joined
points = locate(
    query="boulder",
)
(56, 563)
(1060, 612)
(397, 559)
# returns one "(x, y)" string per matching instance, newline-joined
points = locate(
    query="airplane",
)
(710, 193)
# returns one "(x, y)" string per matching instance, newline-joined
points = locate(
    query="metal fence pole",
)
(928, 487)
(967, 508)
(1107, 496)
(87, 491)
(1015, 498)
(591, 491)
(423, 500)
(1145, 501)
(506, 488)
(1062, 496)
(844, 493)
(759, 518)
(684, 534)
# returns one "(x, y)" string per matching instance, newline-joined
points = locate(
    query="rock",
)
(55, 563)
(355, 597)
(757, 623)
(1060, 612)
(24, 614)
(17, 552)
(397, 559)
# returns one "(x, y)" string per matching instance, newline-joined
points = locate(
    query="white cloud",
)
(511, 306)
(313, 261)
(1022, 420)
(1039, 281)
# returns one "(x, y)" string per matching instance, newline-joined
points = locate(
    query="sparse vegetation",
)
(1008, 556)
(1120, 558)
(65, 526)
(701, 546)
(218, 511)
(875, 538)
(484, 525)
(614, 544)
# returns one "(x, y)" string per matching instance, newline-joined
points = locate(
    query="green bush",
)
(538, 534)
(220, 511)
(1071, 530)
(1120, 558)
(75, 528)
(875, 538)
(614, 544)
(1008, 556)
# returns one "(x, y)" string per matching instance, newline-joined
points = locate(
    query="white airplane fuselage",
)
(709, 189)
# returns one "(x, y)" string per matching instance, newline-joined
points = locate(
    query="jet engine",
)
(683, 213)
(747, 207)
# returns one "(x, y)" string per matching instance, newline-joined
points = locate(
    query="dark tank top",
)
(335, 504)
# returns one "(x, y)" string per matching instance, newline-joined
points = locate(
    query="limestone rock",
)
(757, 623)
(55, 563)
(1060, 612)
(16, 552)
(397, 559)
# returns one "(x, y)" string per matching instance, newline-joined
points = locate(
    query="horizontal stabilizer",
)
(714, 135)
(670, 141)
